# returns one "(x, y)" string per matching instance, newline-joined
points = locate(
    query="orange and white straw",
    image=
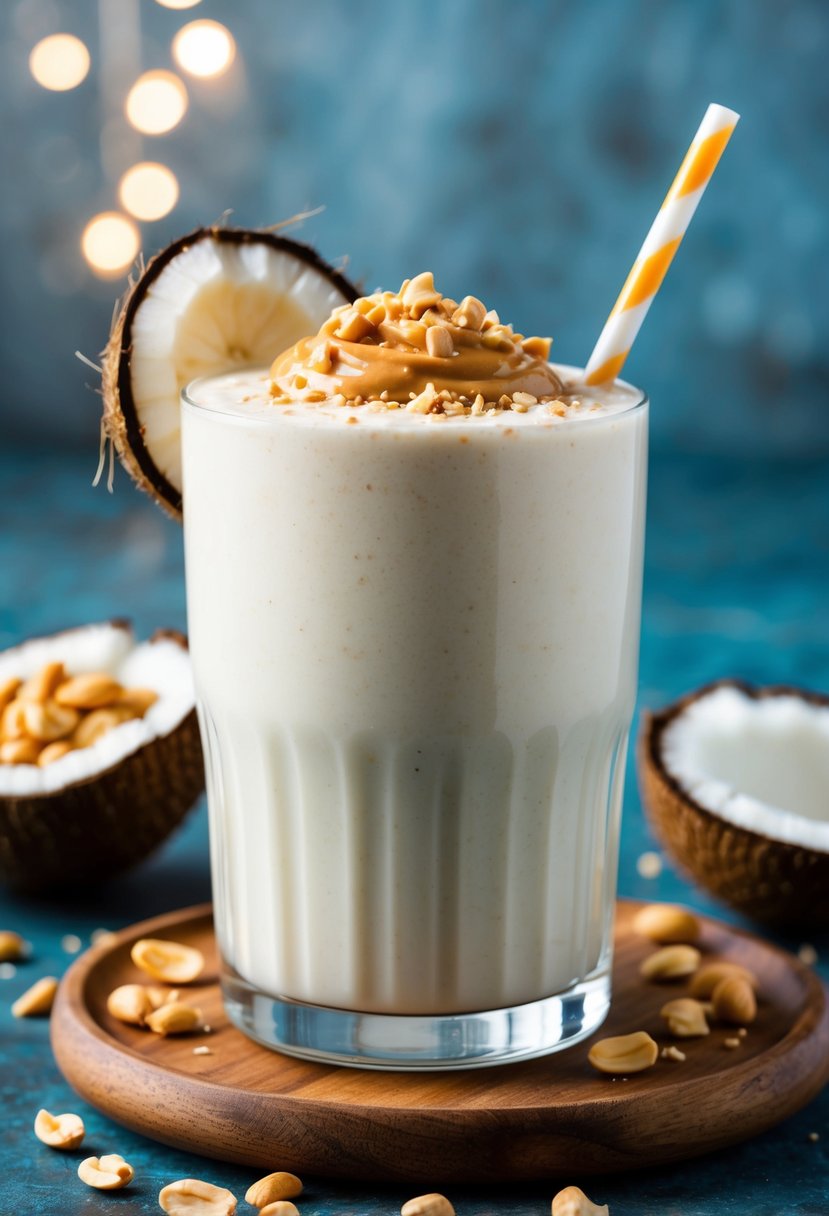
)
(660, 245)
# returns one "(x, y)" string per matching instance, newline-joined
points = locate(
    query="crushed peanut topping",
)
(417, 349)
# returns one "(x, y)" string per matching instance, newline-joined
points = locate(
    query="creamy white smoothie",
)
(414, 634)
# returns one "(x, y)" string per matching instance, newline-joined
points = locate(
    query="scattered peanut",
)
(54, 751)
(666, 924)
(191, 1197)
(49, 721)
(670, 963)
(12, 946)
(432, 1204)
(174, 1019)
(130, 1003)
(734, 1001)
(59, 1131)
(8, 691)
(13, 721)
(732, 1043)
(172, 962)
(162, 996)
(41, 686)
(267, 1190)
(624, 1053)
(99, 722)
(36, 1001)
(19, 751)
(685, 1018)
(707, 978)
(573, 1202)
(92, 690)
(139, 700)
(107, 1173)
(282, 1207)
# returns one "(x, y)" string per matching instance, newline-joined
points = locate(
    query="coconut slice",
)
(216, 299)
(100, 808)
(735, 780)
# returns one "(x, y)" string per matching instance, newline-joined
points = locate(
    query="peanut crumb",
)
(732, 1043)
(814, 1137)
(102, 937)
(672, 1053)
(742, 1032)
(807, 955)
(649, 865)
(203, 1051)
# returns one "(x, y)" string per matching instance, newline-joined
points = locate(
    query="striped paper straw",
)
(660, 245)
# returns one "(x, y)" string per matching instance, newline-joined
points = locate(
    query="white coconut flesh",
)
(216, 305)
(761, 763)
(162, 665)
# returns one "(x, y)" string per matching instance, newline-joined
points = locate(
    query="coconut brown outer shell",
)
(778, 884)
(121, 422)
(99, 827)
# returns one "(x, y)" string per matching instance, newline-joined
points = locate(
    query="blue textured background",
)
(519, 150)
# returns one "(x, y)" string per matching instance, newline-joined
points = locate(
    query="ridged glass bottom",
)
(427, 1043)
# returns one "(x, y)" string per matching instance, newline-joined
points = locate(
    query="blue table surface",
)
(736, 584)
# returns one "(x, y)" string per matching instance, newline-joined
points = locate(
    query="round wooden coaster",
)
(245, 1104)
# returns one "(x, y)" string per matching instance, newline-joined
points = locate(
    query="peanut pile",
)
(53, 713)
(720, 990)
(419, 319)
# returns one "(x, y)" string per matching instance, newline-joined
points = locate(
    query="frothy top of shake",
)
(417, 350)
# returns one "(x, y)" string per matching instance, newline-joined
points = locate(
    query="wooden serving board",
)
(246, 1104)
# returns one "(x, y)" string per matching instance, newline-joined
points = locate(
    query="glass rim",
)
(188, 399)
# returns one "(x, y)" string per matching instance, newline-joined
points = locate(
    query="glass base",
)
(427, 1043)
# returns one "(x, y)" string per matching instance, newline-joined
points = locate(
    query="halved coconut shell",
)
(735, 783)
(215, 299)
(101, 809)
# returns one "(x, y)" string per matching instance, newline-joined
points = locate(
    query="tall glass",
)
(415, 650)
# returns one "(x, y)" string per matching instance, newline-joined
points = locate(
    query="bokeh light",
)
(148, 190)
(157, 102)
(204, 48)
(179, 3)
(59, 62)
(110, 242)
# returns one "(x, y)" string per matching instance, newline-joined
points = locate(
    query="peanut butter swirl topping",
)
(418, 350)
